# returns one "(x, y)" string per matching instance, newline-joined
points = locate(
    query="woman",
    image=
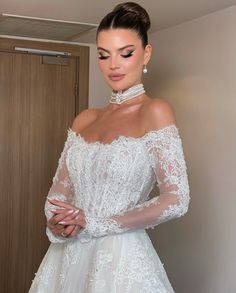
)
(98, 206)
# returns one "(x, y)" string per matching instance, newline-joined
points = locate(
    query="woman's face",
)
(121, 57)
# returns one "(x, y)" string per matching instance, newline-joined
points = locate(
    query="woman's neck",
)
(121, 96)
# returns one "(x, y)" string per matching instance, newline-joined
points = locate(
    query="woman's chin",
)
(119, 86)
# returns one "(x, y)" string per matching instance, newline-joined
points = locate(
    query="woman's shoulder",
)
(84, 119)
(157, 113)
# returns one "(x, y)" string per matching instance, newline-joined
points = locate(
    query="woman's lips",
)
(116, 77)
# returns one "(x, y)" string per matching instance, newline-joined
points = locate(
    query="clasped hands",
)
(67, 220)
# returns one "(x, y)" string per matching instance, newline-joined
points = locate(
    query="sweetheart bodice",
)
(121, 138)
(110, 177)
(111, 182)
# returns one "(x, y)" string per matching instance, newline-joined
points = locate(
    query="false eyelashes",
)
(124, 56)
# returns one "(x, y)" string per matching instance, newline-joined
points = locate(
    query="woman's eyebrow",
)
(120, 49)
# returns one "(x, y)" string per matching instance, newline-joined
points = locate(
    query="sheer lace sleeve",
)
(61, 189)
(165, 154)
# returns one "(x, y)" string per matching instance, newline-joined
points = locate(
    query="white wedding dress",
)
(111, 182)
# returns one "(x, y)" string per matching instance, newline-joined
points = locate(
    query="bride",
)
(98, 206)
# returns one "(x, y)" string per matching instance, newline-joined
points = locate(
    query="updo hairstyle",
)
(128, 15)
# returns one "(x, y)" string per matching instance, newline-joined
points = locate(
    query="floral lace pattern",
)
(115, 196)
(111, 183)
(158, 157)
(42, 280)
(129, 273)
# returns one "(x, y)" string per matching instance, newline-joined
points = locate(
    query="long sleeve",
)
(61, 189)
(166, 157)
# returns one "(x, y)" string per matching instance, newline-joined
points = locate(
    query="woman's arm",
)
(62, 189)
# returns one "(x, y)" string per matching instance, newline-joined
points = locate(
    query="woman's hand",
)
(67, 221)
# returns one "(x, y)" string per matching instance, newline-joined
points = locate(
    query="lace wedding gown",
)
(111, 182)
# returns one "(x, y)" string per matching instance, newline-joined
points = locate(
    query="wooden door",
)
(37, 105)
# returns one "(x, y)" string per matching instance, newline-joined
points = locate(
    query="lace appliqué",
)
(165, 155)
(42, 278)
(137, 268)
(98, 227)
(95, 278)
(61, 189)
(71, 256)
(118, 201)
(167, 159)
(111, 183)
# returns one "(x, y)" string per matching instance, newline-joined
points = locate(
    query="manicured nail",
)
(70, 211)
(61, 223)
(76, 212)
(77, 217)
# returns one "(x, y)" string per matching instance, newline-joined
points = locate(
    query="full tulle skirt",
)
(122, 263)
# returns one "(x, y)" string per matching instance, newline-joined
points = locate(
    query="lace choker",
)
(120, 97)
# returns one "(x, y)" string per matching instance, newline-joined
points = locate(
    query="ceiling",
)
(163, 13)
(42, 28)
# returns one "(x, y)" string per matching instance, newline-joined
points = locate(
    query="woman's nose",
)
(114, 63)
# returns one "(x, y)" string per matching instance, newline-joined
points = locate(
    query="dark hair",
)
(129, 15)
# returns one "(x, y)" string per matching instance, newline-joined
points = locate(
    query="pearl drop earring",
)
(145, 69)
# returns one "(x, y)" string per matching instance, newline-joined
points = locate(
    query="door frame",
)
(82, 58)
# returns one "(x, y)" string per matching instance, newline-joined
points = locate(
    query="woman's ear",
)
(147, 53)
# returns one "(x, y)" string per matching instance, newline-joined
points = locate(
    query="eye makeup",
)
(127, 55)
(102, 57)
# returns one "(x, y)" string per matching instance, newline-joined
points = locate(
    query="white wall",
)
(194, 68)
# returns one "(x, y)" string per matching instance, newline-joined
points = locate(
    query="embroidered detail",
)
(42, 278)
(158, 157)
(95, 278)
(115, 199)
(112, 183)
(138, 268)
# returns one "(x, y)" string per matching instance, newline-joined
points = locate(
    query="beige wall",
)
(99, 92)
(194, 68)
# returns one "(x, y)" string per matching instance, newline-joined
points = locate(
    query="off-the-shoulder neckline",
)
(121, 137)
